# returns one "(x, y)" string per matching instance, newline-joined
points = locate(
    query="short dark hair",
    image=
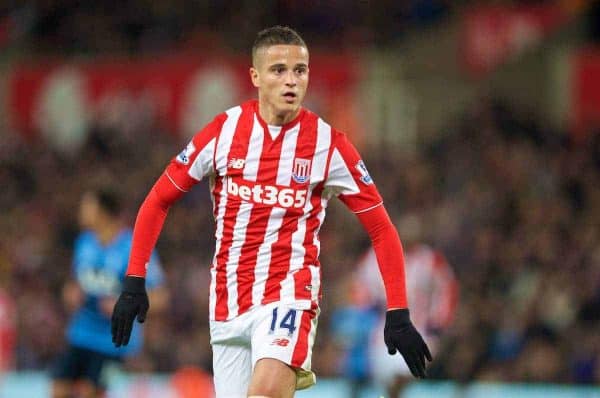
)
(276, 35)
(108, 200)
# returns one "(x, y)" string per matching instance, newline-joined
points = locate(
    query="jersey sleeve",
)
(348, 178)
(196, 161)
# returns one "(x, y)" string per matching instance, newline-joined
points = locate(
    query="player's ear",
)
(254, 77)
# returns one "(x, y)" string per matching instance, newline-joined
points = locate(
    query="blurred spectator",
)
(432, 293)
(75, 27)
(7, 331)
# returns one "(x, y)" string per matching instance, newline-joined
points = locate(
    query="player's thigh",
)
(67, 366)
(94, 377)
(287, 335)
(68, 369)
(272, 378)
(232, 367)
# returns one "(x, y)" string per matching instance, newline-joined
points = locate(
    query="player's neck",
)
(272, 117)
(107, 231)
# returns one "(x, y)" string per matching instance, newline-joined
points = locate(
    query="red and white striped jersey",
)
(431, 286)
(270, 186)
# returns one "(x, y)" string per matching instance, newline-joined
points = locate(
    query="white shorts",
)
(272, 331)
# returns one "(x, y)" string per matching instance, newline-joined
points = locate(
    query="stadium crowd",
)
(510, 202)
(142, 26)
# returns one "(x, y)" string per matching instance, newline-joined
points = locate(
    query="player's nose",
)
(290, 79)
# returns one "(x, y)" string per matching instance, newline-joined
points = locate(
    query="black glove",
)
(132, 302)
(399, 334)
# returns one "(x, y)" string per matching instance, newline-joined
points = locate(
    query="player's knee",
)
(87, 389)
(61, 389)
(273, 379)
(271, 389)
(274, 393)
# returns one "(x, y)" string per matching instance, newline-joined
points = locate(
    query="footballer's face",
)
(89, 210)
(280, 72)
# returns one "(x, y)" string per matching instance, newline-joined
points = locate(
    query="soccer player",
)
(433, 290)
(272, 166)
(99, 263)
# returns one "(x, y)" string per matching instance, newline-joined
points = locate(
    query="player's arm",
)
(399, 332)
(72, 293)
(390, 255)
(356, 189)
(72, 296)
(149, 222)
(184, 171)
(133, 301)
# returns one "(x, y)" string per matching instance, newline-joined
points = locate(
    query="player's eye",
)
(278, 69)
(301, 70)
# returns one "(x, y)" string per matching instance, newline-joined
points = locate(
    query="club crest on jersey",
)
(184, 156)
(236, 163)
(301, 170)
(364, 173)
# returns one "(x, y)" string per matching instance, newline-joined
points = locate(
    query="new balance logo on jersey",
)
(280, 342)
(301, 170)
(362, 169)
(235, 163)
(266, 194)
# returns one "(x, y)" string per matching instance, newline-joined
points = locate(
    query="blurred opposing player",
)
(99, 261)
(351, 326)
(432, 290)
(272, 167)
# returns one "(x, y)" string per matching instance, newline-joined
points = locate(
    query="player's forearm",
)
(72, 296)
(149, 223)
(389, 253)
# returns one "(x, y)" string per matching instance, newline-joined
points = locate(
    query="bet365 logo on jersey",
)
(270, 195)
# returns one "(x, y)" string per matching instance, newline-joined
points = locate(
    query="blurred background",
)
(478, 118)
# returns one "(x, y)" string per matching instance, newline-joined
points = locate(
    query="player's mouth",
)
(290, 97)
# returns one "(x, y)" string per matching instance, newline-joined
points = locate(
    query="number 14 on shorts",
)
(287, 322)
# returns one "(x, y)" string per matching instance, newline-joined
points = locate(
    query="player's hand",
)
(400, 335)
(132, 302)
